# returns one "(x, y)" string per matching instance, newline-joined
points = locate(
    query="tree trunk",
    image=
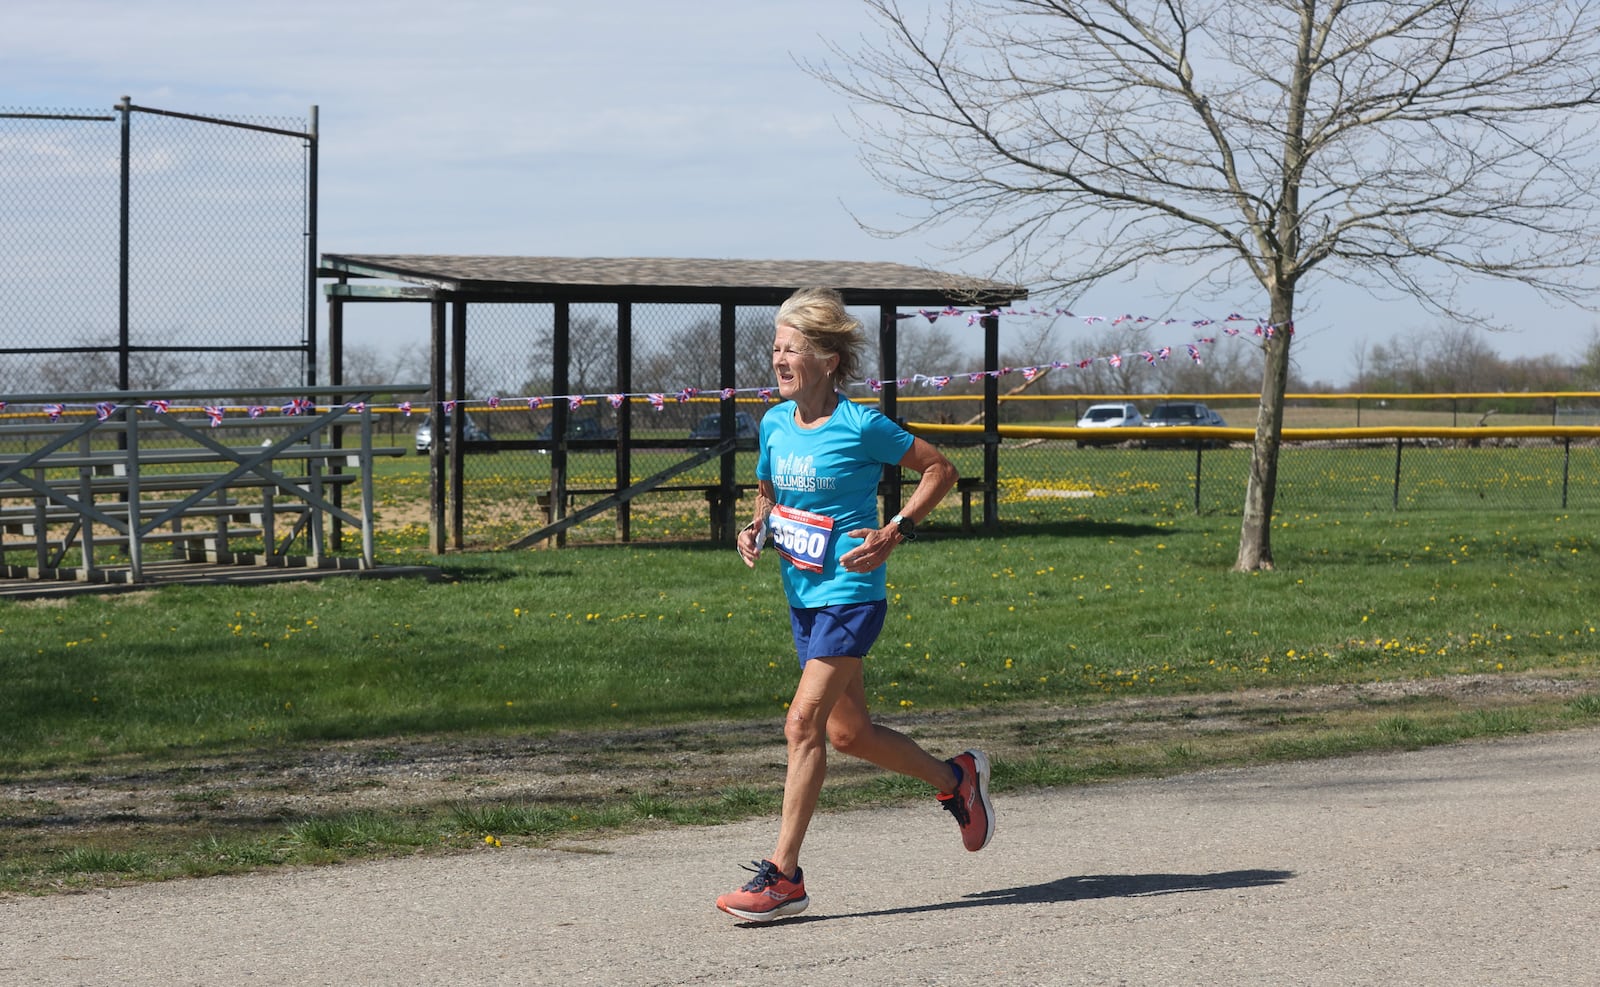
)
(1255, 532)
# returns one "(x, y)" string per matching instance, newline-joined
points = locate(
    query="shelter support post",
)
(436, 460)
(624, 416)
(560, 359)
(991, 424)
(721, 506)
(887, 401)
(336, 379)
(457, 422)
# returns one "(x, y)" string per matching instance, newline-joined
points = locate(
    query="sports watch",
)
(908, 527)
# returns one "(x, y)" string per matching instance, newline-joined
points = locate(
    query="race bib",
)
(801, 536)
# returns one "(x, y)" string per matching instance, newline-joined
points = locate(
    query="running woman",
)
(821, 459)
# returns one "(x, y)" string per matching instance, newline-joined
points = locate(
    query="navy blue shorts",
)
(847, 630)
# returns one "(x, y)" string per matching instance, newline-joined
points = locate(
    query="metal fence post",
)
(1199, 454)
(1566, 468)
(1399, 444)
(309, 338)
(123, 332)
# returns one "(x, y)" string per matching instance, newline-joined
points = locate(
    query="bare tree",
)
(1458, 359)
(1119, 373)
(1403, 146)
(366, 364)
(1589, 361)
(691, 356)
(927, 348)
(67, 372)
(1229, 368)
(1361, 358)
(591, 357)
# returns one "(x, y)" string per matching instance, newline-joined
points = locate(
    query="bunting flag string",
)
(658, 400)
(974, 316)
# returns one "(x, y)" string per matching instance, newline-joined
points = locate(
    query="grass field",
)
(1004, 637)
(1041, 482)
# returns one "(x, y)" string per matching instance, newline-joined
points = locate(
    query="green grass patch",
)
(1065, 616)
(606, 638)
(355, 830)
(1585, 707)
(97, 860)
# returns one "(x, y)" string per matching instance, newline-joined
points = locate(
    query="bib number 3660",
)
(801, 536)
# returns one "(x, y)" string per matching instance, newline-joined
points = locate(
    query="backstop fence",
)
(147, 248)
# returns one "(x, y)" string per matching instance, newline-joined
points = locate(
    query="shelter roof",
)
(653, 279)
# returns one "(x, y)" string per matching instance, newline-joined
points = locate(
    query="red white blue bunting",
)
(658, 400)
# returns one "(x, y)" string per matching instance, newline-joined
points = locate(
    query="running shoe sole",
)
(784, 910)
(982, 762)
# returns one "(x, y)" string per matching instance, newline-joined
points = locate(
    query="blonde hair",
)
(819, 316)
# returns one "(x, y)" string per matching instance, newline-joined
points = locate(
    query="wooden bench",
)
(967, 487)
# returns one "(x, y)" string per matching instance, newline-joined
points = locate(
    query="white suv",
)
(1119, 415)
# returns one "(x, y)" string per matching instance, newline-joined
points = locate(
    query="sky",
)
(624, 129)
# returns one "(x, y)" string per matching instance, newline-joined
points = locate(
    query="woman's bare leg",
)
(822, 682)
(852, 732)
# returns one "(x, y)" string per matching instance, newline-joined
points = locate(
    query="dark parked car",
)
(469, 431)
(710, 427)
(582, 428)
(1184, 413)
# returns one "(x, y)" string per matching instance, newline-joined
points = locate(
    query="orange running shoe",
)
(969, 803)
(768, 895)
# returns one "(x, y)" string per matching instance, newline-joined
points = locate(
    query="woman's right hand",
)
(749, 543)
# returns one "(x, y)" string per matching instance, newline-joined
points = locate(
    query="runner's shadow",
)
(1082, 888)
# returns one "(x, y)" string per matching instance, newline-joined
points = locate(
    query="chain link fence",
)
(1350, 452)
(154, 249)
(1048, 480)
(674, 348)
(1045, 477)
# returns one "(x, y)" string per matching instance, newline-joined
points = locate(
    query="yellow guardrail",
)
(1179, 432)
(1251, 396)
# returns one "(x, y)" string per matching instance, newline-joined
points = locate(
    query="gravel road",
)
(1473, 864)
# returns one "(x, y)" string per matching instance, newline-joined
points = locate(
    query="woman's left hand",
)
(874, 549)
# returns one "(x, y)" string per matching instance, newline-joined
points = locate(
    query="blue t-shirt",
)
(828, 474)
